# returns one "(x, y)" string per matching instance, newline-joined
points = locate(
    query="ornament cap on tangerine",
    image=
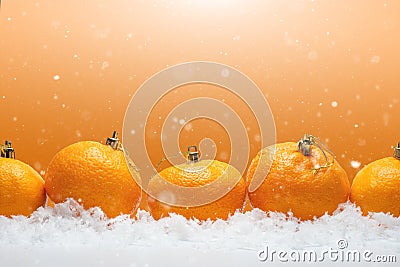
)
(193, 154)
(397, 151)
(113, 141)
(305, 144)
(7, 151)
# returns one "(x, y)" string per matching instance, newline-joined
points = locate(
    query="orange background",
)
(304, 55)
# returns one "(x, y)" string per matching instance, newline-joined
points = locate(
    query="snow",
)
(355, 164)
(236, 38)
(313, 55)
(225, 73)
(375, 59)
(105, 65)
(68, 235)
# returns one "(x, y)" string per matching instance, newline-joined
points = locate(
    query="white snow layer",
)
(70, 236)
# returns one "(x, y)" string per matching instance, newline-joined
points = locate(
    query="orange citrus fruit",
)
(286, 180)
(21, 188)
(228, 192)
(95, 175)
(376, 187)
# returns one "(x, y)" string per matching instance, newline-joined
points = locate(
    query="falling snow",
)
(312, 55)
(188, 127)
(56, 77)
(105, 65)
(386, 118)
(225, 73)
(334, 104)
(236, 38)
(361, 142)
(355, 164)
(375, 59)
(129, 36)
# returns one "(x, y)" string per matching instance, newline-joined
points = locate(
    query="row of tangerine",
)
(302, 177)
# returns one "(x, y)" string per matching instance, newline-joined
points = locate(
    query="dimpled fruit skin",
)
(94, 175)
(220, 208)
(376, 187)
(292, 186)
(21, 188)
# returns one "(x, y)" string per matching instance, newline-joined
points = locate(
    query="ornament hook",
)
(397, 151)
(7, 151)
(304, 146)
(113, 141)
(193, 154)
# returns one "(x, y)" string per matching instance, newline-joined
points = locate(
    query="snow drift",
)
(69, 235)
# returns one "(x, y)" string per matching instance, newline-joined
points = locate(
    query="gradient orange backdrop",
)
(331, 68)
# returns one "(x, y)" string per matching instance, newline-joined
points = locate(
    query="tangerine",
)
(21, 187)
(282, 179)
(94, 174)
(376, 187)
(227, 193)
